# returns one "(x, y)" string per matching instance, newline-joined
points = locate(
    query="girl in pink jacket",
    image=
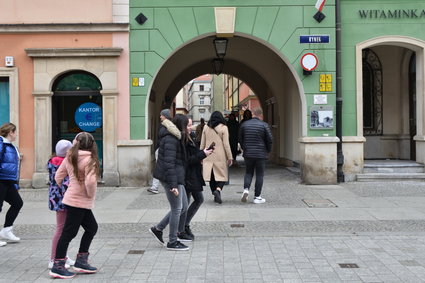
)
(81, 164)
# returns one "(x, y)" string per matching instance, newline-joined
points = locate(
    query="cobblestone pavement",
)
(376, 229)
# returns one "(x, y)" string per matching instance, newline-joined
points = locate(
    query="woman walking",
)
(194, 180)
(215, 166)
(170, 170)
(82, 166)
(9, 180)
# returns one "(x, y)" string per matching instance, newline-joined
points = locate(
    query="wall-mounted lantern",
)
(220, 45)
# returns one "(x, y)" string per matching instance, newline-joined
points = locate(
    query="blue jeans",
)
(259, 165)
(198, 199)
(176, 217)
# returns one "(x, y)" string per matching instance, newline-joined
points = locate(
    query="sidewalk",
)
(301, 234)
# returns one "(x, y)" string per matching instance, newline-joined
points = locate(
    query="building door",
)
(4, 100)
(412, 105)
(77, 107)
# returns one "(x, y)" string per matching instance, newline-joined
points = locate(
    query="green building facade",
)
(382, 43)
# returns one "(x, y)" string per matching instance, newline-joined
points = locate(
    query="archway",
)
(394, 137)
(255, 62)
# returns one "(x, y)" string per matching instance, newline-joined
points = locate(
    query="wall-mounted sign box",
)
(321, 117)
(314, 38)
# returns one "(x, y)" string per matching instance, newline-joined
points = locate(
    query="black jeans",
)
(215, 184)
(75, 218)
(259, 165)
(10, 194)
(198, 199)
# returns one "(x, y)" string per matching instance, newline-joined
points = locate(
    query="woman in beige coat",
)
(215, 166)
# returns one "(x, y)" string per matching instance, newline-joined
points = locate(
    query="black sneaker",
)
(157, 234)
(184, 237)
(217, 196)
(177, 246)
(189, 232)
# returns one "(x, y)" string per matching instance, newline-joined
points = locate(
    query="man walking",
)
(256, 139)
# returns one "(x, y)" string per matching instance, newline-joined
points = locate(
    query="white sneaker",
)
(69, 261)
(50, 265)
(245, 195)
(6, 233)
(153, 190)
(259, 200)
(2, 244)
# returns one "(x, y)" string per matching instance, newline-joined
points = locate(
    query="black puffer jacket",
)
(255, 138)
(170, 166)
(194, 179)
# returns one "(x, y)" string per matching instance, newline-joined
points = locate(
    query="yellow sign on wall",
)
(325, 82)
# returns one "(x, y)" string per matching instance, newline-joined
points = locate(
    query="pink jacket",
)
(78, 194)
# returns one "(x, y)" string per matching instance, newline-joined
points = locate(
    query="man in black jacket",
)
(256, 139)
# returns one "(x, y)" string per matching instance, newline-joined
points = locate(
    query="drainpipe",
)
(340, 155)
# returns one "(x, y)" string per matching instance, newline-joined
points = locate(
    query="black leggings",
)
(215, 184)
(10, 194)
(75, 218)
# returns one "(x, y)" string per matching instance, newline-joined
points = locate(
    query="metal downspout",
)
(340, 154)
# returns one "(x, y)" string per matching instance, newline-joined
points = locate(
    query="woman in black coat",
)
(194, 180)
(170, 170)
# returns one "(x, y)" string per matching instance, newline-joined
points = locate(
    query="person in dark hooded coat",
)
(170, 170)
(194, 180)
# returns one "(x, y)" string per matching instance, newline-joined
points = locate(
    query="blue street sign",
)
(88, 116)
(314, 38)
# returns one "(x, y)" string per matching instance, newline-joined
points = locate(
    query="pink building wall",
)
(55, 11)
(14, 45)
(123, 128)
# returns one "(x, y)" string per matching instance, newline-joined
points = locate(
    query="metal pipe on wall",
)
(340, 154)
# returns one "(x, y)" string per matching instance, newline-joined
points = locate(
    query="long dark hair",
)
(84, 141)
(216, 119)
(181, 122)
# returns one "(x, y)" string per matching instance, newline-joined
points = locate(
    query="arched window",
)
(77, 81)
(372, 94)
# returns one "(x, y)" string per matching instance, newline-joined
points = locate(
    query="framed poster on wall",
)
(321, 117)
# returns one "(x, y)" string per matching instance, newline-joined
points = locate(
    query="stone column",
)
(318, 160)
(43, 136)
(111, 176)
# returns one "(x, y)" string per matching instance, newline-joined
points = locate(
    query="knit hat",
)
(166, 113)
(62, 147)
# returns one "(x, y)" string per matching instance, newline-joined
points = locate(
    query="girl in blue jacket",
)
(9, 180)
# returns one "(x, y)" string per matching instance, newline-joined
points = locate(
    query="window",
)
(4, 100)
(201, 101)
(372, 94)
(201, 87)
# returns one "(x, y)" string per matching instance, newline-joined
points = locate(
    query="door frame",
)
(417, 46)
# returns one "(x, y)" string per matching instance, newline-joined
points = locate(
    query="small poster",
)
(320, 99)
(321, 117)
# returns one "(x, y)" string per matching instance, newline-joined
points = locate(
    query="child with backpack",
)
(56, 194)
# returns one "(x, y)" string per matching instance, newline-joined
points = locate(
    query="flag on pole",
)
(320, 4)
(319, 16)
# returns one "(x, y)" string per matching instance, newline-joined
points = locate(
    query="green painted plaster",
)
(172, 23)
(356, 30)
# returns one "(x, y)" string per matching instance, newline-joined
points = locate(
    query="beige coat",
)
(217, 161)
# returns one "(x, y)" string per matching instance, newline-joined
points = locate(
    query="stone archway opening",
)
(390, 98)
(268, 74)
